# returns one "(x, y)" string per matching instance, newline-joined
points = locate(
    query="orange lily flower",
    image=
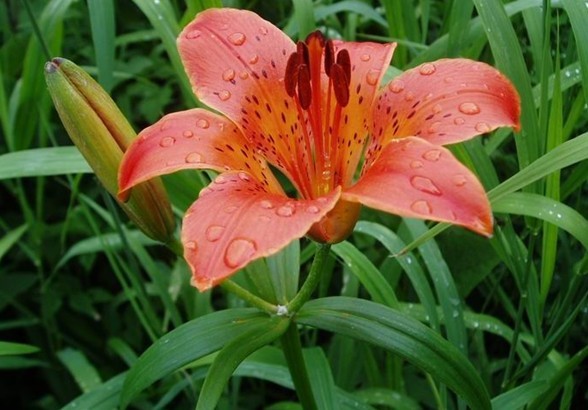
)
(315, 112)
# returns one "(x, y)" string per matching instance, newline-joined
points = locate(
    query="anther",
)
(329, 57)
(304, 89)
(291, 75)
(344, 61)
(340, 85)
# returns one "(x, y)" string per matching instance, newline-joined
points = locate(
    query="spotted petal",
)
(416, 179)
(369, 63)
(236, 221)
(193, 139)
(444, 102)
(236, 62)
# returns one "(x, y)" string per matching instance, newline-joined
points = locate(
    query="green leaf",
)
(233, 353)
(103, 397)
(519, 397)
(319, 372)
(187, 343)
(369, 276)
(547, 209)
(42, 162)
(103, 32)
(394, 331)
(84, 373)
(12, 349)
(10, 238)
(578, 15)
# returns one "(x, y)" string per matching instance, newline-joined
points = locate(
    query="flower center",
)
(319, 100)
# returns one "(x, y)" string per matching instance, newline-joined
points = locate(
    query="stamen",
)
(291, 74)
(344, 61)
(304, 89)
(329, 57)
(340, 85)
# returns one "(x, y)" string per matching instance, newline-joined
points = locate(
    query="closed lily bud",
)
(102, 134)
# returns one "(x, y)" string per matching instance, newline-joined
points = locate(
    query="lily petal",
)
(444, 102)
(236, 221)
(414, 178)
(192, 139)
(369, 63)
(236, 62)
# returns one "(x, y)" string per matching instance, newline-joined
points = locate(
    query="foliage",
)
(407, 315)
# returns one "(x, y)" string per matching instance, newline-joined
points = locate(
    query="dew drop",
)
(365, 57)
(312, 209)
(432, 155)
(416, 164)
(228, 74)
(243, 75)
(421, 207)
(437, 109)
(193, 34)
(396, 86)
(425, 184)
(483, 127)
(254, 59)
(239, 251)
(194, 158)
(372, 76)
(165, 125)
(409, 96)
(188, 134)
(191, 245)
(469, 108)
(459, 180)
(220, 180)
(458, 121)
(237, 38)
(244, 177)
(214, 232)
(434, 127)
(265, 204)
(286, 211)
(224, 95)
(203, 123)
(167, 141)
(427, 69)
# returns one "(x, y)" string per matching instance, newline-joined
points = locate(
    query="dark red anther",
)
(304, 88)
(344, 61)
(316, 35)
(291, 74)
(329, 56)
(302, 51)
(340, 85)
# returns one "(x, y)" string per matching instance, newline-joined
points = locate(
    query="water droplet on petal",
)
(243, 75)
(434, 127)
(285, 210)
(194, 158)
(165, 125)
(425, 184)
(191, 245)
(437, 109)
(312, 209)
(193, 34)
(167, 141)
(214, 232)
(228, 74)
(469, 108)
(372, 76)
(254, 59)
(263, 30)
(483, 127)
(458, 121)
(409, 96)
(239, 251)
(427, 69)
(220, 180)
(265, 204)
(416, 164)
(432, 155)
(237, 38)
(396, 86)
(230, 209)
(224, 95)
(365, 57)
(421, 207)
(203, 123)
(244, 177)
(459, 180)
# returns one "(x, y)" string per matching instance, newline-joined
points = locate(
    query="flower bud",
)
(102, 134)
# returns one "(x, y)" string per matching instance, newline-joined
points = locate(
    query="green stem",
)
(176, 247)
(293, 352)
(312, 281)
(249, 297)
